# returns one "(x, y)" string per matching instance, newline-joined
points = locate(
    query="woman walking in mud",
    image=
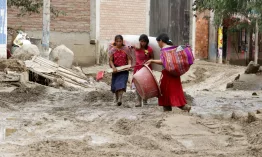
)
(170, 86)
(119, 56)
(143, 53)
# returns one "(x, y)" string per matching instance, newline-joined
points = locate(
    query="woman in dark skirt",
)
(119, 56)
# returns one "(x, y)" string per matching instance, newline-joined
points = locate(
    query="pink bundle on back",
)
(177, 59)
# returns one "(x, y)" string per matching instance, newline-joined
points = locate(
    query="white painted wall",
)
(148, 16)
(3, 31)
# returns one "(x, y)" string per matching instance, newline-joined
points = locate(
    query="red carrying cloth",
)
(171, 90)
(120, 58)
(141, 57)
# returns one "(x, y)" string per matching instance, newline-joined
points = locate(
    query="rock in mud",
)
(251, 117)
(254, 94)
(252, 68)
(237, 78)
(189, 99)
(63, 56)
(26, 52)
(259, 111)
(239, 115)
(260, 69)
(230, 85)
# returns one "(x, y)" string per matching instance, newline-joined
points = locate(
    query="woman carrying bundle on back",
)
(170, 85)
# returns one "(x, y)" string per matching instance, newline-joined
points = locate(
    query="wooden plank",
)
(75, 83)
(71, 73)
(55, 67)
(46, 61)
(70, 77)
(122, 68)
(74, 79)
(72, 84)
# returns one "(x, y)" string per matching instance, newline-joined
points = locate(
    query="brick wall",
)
(77, 18)
(202, 29)
(122, 17)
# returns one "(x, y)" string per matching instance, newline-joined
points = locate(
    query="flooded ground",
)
(42, 121)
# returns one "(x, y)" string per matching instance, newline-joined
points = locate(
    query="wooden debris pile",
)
(56, 74)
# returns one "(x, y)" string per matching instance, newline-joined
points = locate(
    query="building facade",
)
(89, 25)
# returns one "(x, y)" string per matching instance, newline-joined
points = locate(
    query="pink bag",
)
(177, 59)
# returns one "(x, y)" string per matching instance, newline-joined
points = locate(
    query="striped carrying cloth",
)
(177, 59)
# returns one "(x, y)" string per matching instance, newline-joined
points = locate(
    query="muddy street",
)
(44, 121)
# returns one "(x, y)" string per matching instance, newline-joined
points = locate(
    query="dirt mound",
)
(144, 142)
(254, 134)
(70, 148)
(129, 96)
(58, 148)
(106, 97)
(6, 106)
(124, 127)
(24, 94)
(13, 65)
(199, 73)
(165, 137)
(103, 96)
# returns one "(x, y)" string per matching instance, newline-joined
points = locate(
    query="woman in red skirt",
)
(143, 53)
(170, 86)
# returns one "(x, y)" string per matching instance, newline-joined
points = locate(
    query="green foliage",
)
(224, 9)
(28, 7)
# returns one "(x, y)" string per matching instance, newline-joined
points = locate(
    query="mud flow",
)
(43, 121)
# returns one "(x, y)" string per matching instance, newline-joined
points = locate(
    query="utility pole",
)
(212, 51)
(256, 42)
(46, 28)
